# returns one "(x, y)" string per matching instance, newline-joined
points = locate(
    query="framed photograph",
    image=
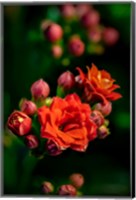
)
(68, 115)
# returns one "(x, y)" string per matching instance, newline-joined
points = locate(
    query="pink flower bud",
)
(52, 148)
(68, 11)
(77, 180)
(40, 90)
(102, 132)
(28, 107)
(91, 18)
(97, 117)
(82, 9)
(110, 36)
(67, 190)
(53, 32)
(31, 141)
(19, 123)
(66, 80)
(56, 51)
(104, 109)
(95, 34)
(76, 46)
(47, 187)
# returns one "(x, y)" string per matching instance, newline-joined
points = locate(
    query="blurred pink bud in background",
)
(53, 32)
(56, 51)
(91, 18)
(76, 46)
(110, 36)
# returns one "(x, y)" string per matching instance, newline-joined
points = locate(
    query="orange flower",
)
(67, 123)
(98, 85)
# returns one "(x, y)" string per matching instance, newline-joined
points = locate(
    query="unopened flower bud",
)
(102, 132)
(56, 51)
(47, 187)
(40, 90)
(76, 46)
(110, 36)
(105, 109)
(52, 148)
(94, 34)
(28, 107)
(19, 123)
(68, 11)
(66, 80)
(82, 9)
(53, 32)
(31, 141)
(67, 190)
(91, 18)
(97, 117)
(77, 180)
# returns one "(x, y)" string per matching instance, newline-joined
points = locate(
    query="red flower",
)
(67, 123)
(19, 123)
(98, 85)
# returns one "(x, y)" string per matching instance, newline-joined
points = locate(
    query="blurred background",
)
(28, 57)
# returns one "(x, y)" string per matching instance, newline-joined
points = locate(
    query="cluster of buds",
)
(63, 39)
(20, 122)
(71, 189)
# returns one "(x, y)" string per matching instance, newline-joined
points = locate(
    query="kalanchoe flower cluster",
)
(54, 124)
(63, 38)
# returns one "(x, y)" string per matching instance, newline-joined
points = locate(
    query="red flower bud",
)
(66, 80)
(91, 18)
(19, 123)
(56, 51)
(105, 109)
(68, 11)
(52, 148)
(31, 141)
(77, 180)
(53, 32)
(97, 117)
(82, 9)
(47, 187)
(40, 90)
(110, 36)
(76, 46)
(102, 132)
(67, 190)
(28, 107)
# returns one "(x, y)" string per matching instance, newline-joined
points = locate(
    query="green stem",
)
(29, 164)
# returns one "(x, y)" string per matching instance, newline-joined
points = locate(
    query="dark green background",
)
(105, 165)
